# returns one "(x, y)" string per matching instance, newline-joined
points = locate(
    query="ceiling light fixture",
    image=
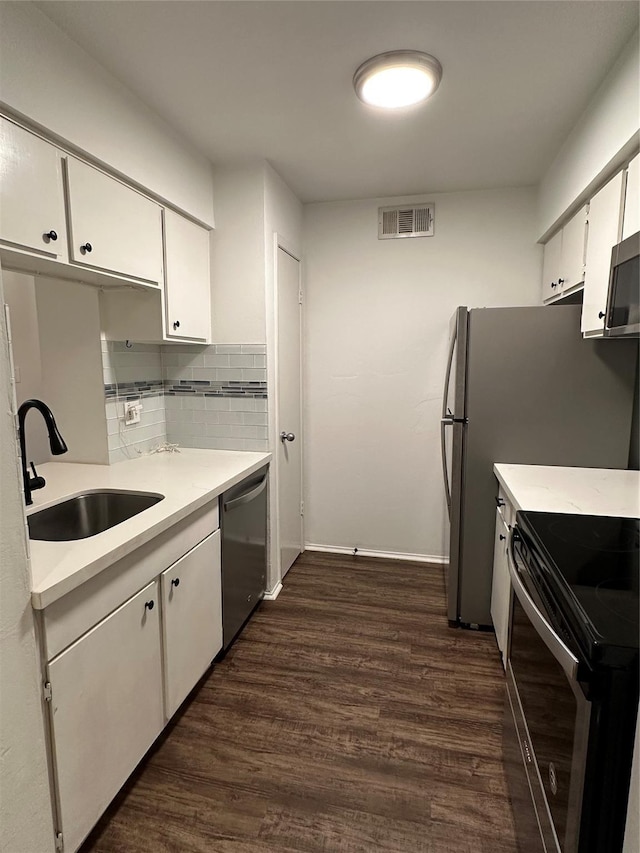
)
(398, 78)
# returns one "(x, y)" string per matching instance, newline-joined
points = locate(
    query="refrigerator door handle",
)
(447, 419)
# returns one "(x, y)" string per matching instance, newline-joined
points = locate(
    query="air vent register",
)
(403, 221)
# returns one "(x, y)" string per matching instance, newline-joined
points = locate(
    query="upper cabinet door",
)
(551, 267)
(631, 218)
(604, 233)
(31, 193)
(574, 238)
(113, 227)
(188, 285)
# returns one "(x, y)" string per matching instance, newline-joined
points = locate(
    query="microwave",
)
(623, 299)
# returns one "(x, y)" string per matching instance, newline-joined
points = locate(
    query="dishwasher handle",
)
(247, 496)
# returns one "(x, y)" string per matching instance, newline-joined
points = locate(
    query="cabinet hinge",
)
(300, 297)
(59, 841)
(301, 507)
(46, 690)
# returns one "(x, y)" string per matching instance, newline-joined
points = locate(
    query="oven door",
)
(549, 722)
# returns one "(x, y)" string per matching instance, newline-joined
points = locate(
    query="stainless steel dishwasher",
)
(244, 552)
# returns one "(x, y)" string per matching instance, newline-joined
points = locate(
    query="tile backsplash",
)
(194, 396)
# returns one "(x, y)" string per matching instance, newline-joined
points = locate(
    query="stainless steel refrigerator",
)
(522, 386)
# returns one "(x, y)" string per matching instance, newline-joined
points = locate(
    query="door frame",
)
(274, 580)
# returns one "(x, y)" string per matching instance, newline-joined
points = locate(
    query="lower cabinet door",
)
(106, 710)
(501, 586)
(192, 611)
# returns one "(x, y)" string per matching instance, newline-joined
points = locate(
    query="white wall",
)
(377, 315)
(605, 135)
(20, 296)
(72, 382)
(237, 257)
(25, 809)
(48, 78)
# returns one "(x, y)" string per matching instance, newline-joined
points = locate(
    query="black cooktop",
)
(591, 567)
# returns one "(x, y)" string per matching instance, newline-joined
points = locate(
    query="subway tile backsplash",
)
(194, 396)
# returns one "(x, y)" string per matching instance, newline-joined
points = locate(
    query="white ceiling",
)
(245, 80)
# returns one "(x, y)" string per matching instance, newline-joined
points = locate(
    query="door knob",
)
(287, 436)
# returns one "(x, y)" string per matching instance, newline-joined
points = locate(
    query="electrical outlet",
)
(132, 413)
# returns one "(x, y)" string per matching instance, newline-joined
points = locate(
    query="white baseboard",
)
(387, 555)
(272, 594)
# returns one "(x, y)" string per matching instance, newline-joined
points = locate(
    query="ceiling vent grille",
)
(403, 221)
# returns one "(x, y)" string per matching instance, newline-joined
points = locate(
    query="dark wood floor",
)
(347, 717)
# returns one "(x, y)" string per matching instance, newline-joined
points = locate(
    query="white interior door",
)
(289, 449)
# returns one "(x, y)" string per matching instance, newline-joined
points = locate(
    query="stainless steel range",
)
(572, 679)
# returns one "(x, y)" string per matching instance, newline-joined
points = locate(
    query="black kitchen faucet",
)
(56, 442)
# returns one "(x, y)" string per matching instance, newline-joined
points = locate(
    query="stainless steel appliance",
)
(522, 386)
(572, 680)
(244, 552)
(623, 300)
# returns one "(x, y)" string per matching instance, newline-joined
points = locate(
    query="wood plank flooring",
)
(348, 717)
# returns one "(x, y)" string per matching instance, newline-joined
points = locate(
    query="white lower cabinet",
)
(106, 710)
(501, 583)
(191, 619)
(121, 661)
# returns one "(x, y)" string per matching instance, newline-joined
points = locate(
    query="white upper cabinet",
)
(113, 227)
(631, 217)
(564, 258)
(604, 232)
(32, 216)
(551, 267)
(188, 284)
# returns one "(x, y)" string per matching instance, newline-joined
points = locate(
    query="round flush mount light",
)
(398, 78)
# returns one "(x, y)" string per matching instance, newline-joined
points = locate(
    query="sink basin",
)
(87, 514)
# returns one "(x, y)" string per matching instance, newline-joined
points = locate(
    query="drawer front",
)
(75, 613)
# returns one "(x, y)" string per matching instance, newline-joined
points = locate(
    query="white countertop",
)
(584, 491)
(188, 480)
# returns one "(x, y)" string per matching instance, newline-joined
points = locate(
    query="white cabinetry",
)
(564, 258)
(631, 217)
(32, 215)
(501, 583)
(113, 227)
(187, 289)
(106, 710)
(124, 650)
(604, 232)
(192, 619)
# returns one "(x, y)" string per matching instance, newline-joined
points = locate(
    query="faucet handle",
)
(36, 482)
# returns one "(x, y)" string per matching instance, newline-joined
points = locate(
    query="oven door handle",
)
(565, 657)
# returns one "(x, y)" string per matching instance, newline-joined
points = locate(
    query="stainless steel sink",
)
(87, 514)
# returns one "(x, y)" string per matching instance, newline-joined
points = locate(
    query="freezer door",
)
(453, 396)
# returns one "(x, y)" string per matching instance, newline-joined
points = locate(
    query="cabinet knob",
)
(502, 537)
(499, 501)
(176, 324)
(554, 284)
(560, 281)
(86, 247)
(601, 315)
(50, 235)
(175, 582)
(149, 605)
